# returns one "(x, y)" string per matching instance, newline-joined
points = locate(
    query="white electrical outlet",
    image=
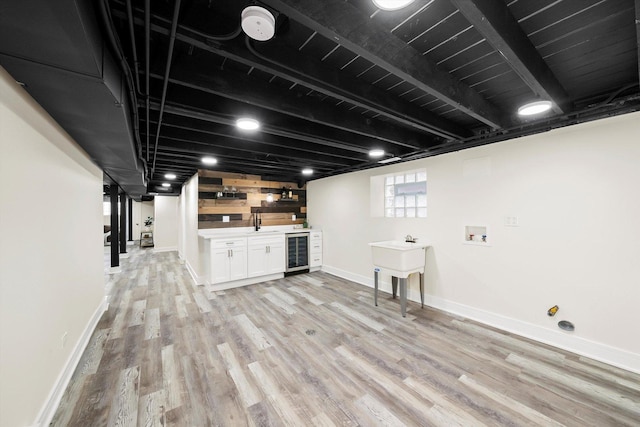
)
(225, 218)
(293, 217)
(511, 221)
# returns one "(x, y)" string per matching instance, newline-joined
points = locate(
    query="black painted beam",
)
(495, 22)
(296, 68)
(193, 74)
(337, 20)
(115, 235)
(123, 223)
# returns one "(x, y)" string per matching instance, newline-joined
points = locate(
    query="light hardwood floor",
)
(312, 350)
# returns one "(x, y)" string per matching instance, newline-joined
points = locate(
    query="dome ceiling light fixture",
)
(258, 23)
(246, 123)
(533, 108)
(391, 4)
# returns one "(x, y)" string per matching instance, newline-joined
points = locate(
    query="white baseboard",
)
(198, 280)
(565, 340)
(50, 406)
(165, 249)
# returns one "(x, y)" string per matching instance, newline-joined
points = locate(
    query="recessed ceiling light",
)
(166, 184)
(391, 4)
(376, 153)
(209, 160)
(245, 123)
(170, 175)
(307, 171)
(533, 108)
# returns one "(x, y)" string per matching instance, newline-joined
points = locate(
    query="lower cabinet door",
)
(257, 261)
(238, 264)
(276, 259)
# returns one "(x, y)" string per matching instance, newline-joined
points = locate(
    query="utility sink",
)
(398, 257)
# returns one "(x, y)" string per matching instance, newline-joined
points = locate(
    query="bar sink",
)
(399, 259)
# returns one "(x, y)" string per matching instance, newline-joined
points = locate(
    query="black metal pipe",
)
(134, 50)
(115, 235)
(165, 84)
(147, 54)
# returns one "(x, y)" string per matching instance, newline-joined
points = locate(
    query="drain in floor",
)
(310, 332)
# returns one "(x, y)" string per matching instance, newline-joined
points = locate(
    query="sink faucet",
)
(410, 239)
(257, 221)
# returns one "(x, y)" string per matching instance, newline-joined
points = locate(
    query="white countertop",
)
(225, 233)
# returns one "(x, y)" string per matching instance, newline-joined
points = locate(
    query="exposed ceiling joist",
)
(337, 20)
(501, 30)
(243, 88)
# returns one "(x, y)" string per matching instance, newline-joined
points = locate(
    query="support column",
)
(130, 217)
(115, 235)
(123, 223)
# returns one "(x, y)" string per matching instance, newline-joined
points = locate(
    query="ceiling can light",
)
(209, 160)
(170, 175)
(307, 171)
(391, 4)
(376, 152)
(258, 23)
(534, 108)
(246, 123)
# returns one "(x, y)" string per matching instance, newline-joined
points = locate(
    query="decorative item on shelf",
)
(269, 197)
(471, 237)
(284, 193)
(552, 311)
(148, 223)
(233, 191)
(305, 224)
(290, 193)
(484, 238)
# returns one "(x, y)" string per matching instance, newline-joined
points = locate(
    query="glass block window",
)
(405, 195)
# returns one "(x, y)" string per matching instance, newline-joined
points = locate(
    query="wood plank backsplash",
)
(249, 198)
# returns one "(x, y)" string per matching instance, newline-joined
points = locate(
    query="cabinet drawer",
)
(316, 260)
(315, 235)
(228, 243)
(316, 246)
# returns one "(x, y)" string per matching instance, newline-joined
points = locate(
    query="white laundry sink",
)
(398, 257)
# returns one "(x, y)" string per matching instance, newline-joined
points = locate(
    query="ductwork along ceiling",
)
(150, 87)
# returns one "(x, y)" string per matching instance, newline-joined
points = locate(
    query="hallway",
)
(313, 350)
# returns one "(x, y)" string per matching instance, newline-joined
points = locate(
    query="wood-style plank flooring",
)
(312, 350)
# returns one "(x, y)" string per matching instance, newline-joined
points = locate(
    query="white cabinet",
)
(265, 255)
(228, 260)
(315, 250)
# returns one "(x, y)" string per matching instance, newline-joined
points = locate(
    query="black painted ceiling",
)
(149, 87)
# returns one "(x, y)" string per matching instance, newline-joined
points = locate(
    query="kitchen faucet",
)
(257, 221)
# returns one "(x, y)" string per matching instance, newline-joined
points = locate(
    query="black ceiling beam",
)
(495, 22)
(244, 88)
(311, 73)
(342, 23)
(212, 132)
(228, 146)
(354, 146)
(316, 75)
(204, 108)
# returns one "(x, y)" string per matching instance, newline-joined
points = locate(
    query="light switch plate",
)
(511, 221)
(225, 218)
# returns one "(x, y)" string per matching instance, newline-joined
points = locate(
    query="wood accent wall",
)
(251, 197)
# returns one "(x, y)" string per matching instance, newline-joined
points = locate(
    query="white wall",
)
(574, 191)
(191, 250)
(139, 212)
(51, 256)
(165, 225)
